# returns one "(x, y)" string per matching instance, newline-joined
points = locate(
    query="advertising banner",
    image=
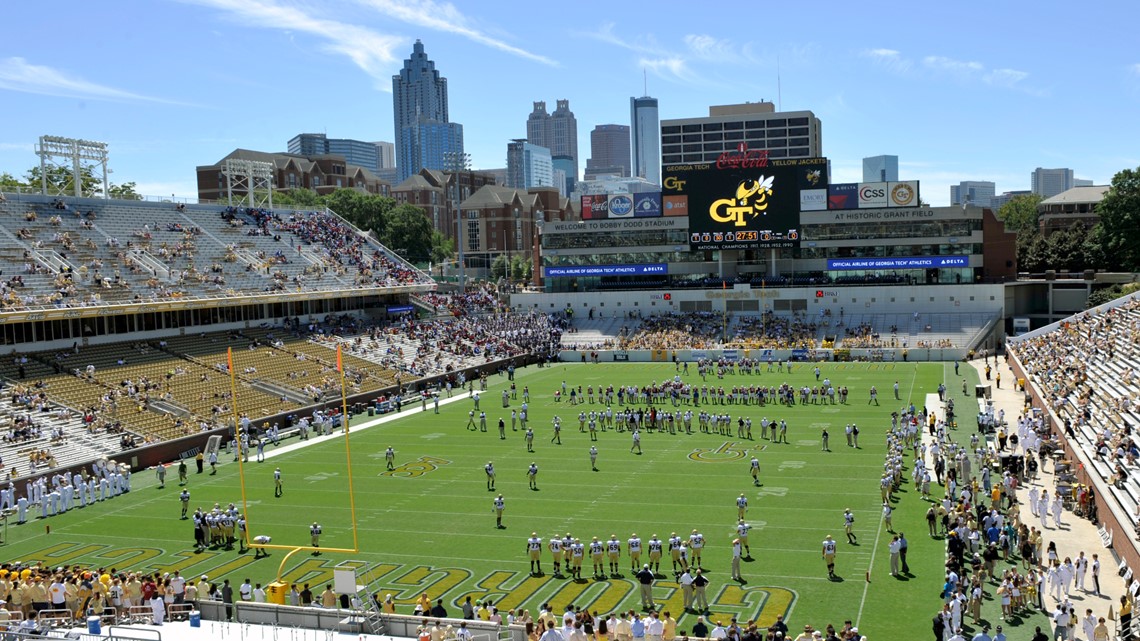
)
(813, 199)
(595, 207)
(621, 206)
(399, 309)
(910, 262)
(799, 355)
(730, 355)
(606, 270)
(675, 205)
(647, 204)
(745, 200)
(902, 194)
(843, 196)
(872, 195)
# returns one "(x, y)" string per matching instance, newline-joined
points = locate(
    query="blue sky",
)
(959, 91)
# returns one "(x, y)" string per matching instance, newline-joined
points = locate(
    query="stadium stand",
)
(86, 252)
(1088, 369)
(770, 330)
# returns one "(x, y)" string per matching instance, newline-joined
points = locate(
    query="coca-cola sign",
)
(743, 158)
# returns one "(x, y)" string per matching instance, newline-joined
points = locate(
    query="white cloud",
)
(369, 50)
(1005, 77)
(964, 70)
(670, 68)
(955, 66)
(713, 49)
(443, 16)
(646, 44)
(17, 74)
(890, 59)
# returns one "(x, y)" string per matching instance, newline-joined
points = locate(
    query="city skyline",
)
(331, 71)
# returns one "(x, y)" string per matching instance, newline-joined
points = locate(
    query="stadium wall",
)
(871, 299)
(889, 355)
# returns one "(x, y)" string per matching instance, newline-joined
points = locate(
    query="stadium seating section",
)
(1089, 370)
(83, 252)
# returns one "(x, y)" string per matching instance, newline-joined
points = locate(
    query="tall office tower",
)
(528, 165)
(609, 151)
(754, 126)
(1050, 182)
(973, 192)
(419, 106)
(878, 169)
(387, 153)
(556, 131)
(645, 139)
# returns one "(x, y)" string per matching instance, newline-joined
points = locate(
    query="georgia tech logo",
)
(751, 201)
(902, 195)
(673, 183)
(813, 177)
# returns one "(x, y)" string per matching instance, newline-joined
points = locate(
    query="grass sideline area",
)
(430, 526)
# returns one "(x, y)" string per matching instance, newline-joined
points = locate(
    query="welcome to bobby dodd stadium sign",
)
(607, 270)
(913, 262)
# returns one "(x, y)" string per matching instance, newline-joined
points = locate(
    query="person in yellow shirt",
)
(328, 598)
(39, 595)
(483, 614)
(670, 630)
(424, 602)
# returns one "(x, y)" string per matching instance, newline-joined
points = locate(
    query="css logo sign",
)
(621, 206)
(871, 193)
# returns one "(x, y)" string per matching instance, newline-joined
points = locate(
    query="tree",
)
(366, 211)
(1120, 220)
(60, 182)
(442, 247)
(10, 183)
(406, 228)
(520, 268)
(1020, 213)
(299, 198)
(125, 191)
(1108, 294)
(499, 266)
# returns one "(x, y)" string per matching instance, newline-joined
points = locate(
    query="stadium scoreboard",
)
(746, 200)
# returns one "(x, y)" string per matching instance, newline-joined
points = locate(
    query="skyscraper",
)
(556, 131)
(387, 153)
(609, 151)
(878, 169)
(973, 192)
(356, 152)
(528, 165)
(735, 128)
(419, 106)
(1050, 182)
(645, 139)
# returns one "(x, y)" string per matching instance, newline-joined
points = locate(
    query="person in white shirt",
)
(258, 594)
(736, 551)
(654, 627)
(686, 583)
(246, 591)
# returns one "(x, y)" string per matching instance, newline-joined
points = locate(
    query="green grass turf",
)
(435, 531)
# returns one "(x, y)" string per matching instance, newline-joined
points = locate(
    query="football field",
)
(429, 525)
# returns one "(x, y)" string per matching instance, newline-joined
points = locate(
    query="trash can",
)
(195, 619)
(93, 626)
(371, 410)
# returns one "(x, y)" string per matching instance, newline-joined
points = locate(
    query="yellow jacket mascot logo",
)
(751, 201)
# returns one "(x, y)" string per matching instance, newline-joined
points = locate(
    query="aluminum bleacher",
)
(78, 252)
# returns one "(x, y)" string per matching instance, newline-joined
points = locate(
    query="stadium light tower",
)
(249, 175)
(457, 162)
(74, 152)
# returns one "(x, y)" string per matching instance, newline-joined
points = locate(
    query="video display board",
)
(746, 200)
